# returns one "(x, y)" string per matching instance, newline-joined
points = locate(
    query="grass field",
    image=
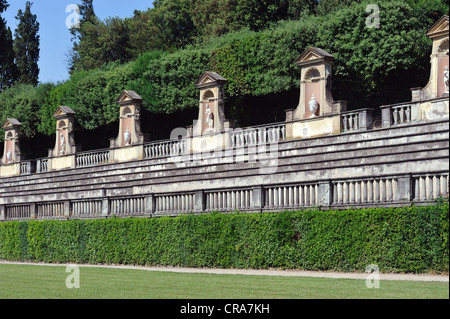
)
(49, 282)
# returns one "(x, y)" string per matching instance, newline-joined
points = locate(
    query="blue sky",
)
(55, 37)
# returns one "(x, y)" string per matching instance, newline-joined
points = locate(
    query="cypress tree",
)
(3, 5)
(80, 35)
(26, 46)
(8, 70)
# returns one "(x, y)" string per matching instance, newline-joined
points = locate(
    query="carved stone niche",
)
(316, 97)
(11, 153)
(130, 120)
(437, 85)
(211, 116)
(65, 141)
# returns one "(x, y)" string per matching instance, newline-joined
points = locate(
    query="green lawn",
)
(49, 282)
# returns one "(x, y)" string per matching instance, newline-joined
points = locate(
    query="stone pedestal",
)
(208, 131)
(317, 113)
(62, 156)
(10, 162)
(438, 83)
(128, 145)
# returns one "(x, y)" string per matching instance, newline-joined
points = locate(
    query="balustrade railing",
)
(18, 212)
(379, 191)
(291, 196)
(50, 210)
(430, 186)
(229, 200)
(401, 114)
(89, 208)
(42, 165)
(258, 135)
(179, 203)
(363, 191)
(127, 206)
(92, 158)
(165, 148)
(350, 122)
(26, 168)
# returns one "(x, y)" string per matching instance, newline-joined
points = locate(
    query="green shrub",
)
(408, 239)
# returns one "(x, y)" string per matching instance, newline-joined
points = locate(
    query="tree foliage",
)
(26, 46)
(23, 102)
(8, 68)
(372, 66)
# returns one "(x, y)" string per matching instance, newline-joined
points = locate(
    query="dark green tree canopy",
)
(26, 46)
(3, 5)
(8, 69)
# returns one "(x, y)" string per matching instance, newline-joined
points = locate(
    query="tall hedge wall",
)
(409, 239)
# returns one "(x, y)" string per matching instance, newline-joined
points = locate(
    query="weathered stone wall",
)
(388, 166)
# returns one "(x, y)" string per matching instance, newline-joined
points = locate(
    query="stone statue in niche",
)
(313, 105)
(62, 143)
(9, 156)
(446, 79)
(127, 137)
(209, 117)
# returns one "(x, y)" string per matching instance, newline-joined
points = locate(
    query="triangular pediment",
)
(63, 111)
(439, 28)
(10, 123)
(128, 95)
(313, 54)
(210, 78)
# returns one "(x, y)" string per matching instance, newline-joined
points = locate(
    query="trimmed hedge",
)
(408, 239)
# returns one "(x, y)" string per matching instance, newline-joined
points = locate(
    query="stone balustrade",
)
(133, 206)
(258, 135)
(174, 204)
(401, 114)
(292, 196)
(42, 165)
(358, 120)
(342, 193)
(350, 122)
(50, 210)
(92, 158)
(229, 200)
(165, 148)
(430, 186)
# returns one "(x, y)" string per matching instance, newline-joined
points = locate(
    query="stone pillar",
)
(10, 162)
(2, 212)
(150, 204)
(317, 113)
(386, 116)
(316, 97)
(439, 61)
(33, 211)
(199, 201)
(365, 117)
(129, 143)
(211, 123)
(289, 119)
(405, 188)
(62, 156)
(325, 194)
(105, 206)
(67, 208)
(258, 198)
